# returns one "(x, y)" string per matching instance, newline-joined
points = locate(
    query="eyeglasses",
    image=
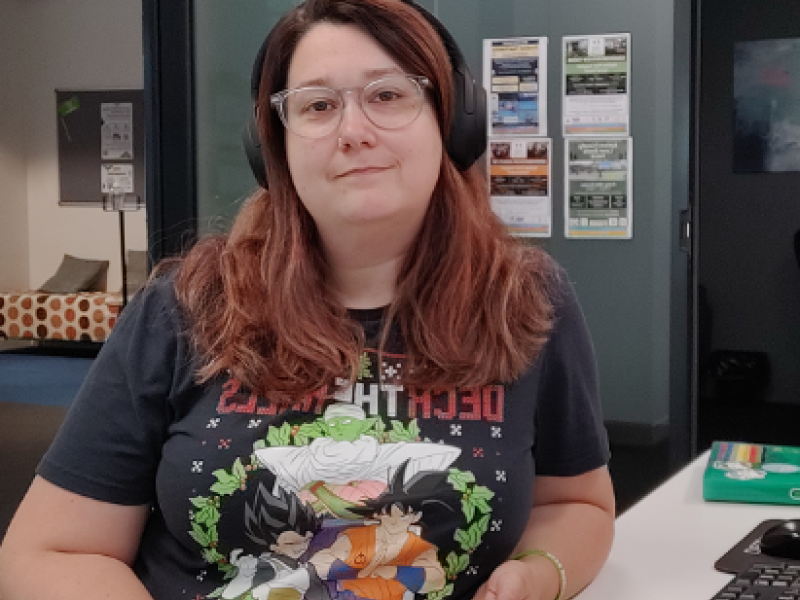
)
(390, 102)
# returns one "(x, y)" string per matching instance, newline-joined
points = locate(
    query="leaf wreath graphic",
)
(475, 499)
(364, 364)
(477, 510)
(206, 512)
(400, 433)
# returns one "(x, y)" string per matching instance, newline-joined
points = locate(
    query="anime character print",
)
(285, 526)
(340, 506)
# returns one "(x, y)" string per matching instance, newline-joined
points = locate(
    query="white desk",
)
(666, 545)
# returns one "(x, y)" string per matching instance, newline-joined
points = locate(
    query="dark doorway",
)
(748, 294)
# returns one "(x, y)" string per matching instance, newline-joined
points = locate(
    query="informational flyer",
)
(116, 136)
(515, 75)
(596, 85)
(116, 177)
(598, 187)
(519, 184)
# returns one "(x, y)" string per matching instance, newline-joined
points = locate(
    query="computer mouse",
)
(782, 540)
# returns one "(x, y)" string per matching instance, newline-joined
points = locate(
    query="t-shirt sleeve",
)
(109, 445)
(571, 438)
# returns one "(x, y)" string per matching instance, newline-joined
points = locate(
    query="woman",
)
(367, 344)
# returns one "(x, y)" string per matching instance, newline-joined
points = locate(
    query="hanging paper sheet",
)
(519, 181)
(598, 186)
(596, 85)
(515, 75)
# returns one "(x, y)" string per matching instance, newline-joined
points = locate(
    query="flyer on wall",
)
(116, 176)
(515, 75)
(598, 188)
(116, 133)
(519, 184)
(596, 84)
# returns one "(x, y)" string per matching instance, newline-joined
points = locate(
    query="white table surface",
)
(665, 546)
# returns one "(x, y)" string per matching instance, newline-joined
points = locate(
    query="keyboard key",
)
(736, 589)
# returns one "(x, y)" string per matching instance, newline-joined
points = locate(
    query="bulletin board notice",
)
(100, 145)
(599, 188)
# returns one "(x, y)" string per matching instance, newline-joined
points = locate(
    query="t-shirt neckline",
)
(367, 315)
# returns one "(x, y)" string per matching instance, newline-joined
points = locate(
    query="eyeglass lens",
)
(390, 103)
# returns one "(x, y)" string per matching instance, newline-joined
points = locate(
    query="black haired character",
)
(384, 560)
(286, 526)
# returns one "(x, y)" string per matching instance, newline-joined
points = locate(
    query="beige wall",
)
(78, 44)
(13, 187)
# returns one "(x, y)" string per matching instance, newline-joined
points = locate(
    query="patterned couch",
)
(82, 316)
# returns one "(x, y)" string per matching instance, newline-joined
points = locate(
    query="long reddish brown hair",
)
(472, 304)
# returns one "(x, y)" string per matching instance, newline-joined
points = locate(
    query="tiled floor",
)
(26, 431)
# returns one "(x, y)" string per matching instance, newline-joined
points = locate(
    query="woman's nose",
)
(355, 129)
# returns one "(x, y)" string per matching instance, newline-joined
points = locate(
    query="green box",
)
(754, 473)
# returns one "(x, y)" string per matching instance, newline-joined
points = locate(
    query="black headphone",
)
(467, 141)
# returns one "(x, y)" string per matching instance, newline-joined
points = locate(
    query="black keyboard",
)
(764, 581)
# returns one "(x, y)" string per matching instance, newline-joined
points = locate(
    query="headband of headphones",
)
(467, 140)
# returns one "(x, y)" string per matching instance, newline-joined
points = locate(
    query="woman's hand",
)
(566, 512)
(521, 580)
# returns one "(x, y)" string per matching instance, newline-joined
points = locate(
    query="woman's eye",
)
(386, 96)
(319, 106)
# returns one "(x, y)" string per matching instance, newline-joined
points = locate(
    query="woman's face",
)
(360, 175)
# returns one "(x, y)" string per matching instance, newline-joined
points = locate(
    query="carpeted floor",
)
(47, 380)
(35, 392)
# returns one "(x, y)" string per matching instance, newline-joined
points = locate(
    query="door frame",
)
(170, 164)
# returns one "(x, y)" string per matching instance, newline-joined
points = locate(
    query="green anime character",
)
(343, 465)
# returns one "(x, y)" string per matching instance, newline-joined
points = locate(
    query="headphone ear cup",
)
(252, 148)
(467, 141)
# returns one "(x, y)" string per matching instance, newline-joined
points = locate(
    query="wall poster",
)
(596, 85)
(766, 90)
(598, 187)
(519, 183)
(515, 77)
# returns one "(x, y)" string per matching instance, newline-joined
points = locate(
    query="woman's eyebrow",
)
(368, 75)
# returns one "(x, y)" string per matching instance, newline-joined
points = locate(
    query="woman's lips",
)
(363, 171)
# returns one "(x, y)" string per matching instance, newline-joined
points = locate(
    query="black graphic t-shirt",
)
(376, 492)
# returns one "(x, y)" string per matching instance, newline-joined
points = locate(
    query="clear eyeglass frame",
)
(279, 102)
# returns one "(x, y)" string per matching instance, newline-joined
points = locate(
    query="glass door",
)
(227, 36)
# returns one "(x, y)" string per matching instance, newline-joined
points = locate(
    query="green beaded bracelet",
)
(562, 574)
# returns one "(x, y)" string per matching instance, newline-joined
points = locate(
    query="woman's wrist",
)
(549, 569)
